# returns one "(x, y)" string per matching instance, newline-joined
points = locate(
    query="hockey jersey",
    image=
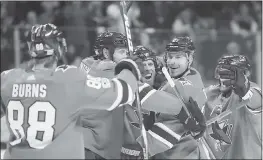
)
(43, 109)
(168, 133)
(241, 136)
(151, 100)
(100, 127)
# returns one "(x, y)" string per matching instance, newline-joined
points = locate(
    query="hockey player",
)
(173, 129)
(160, 137)
(152, 67)
(44, 103)
(104, 145)
(238, 135)
(150, 98)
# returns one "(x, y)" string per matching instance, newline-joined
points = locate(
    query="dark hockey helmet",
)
(46, 40)
(145, 53)
(111, 41)
(184, 44)
(239, 61)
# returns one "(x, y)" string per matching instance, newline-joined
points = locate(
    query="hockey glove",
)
(236, 78)
(131, 152)
(195, 124)
(130, 65)
(149, 120)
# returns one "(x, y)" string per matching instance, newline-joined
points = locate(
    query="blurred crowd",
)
(228, 26)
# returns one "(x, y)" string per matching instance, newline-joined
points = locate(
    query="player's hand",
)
(236, 78)
(148, 120)
(196, 123)
(130, 65)
(131, 152)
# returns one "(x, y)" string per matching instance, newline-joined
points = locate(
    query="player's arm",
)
(255, 98)
(246, 90)
(107, 94)
(158, 101)
(104, 94)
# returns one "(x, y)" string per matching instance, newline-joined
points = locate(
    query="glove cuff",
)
(130, 65)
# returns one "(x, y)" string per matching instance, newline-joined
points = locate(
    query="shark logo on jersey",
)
(222, 134)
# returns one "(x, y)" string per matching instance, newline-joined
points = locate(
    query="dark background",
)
(217, 28)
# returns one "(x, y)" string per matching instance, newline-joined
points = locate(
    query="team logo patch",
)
(63, 68)
(185, 82)
(222, 134)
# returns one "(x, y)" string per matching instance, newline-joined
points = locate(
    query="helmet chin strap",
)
(180, 75)
(183, 73)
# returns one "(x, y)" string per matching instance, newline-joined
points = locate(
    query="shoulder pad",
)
(89, 61)
(64, 68)
(6, 72)
(67, 73)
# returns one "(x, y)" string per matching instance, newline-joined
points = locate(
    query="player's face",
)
(119, 54)
(224, 88)
(148, 72)
(177, 63)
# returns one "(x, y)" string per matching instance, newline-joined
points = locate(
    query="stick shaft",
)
(124, 9)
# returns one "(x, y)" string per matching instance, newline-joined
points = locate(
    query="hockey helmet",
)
(46, 40)
(111, 41)
(239, 61)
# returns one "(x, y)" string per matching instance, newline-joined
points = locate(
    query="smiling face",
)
(148, 71)
(177, 63)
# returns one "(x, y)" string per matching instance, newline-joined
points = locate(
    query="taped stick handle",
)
(124, 7)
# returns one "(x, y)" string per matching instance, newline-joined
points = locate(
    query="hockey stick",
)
(226, 113)
(172, 84)
(124, 10)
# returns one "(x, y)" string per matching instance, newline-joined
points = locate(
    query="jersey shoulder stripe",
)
(145, 91)
(124, 93)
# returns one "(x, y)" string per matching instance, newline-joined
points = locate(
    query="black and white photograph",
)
(131, 79)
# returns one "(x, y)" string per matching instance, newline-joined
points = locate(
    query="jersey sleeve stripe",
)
(254, 111)
(143, 86)
(151, 92)
(166, 133)
(168, 130)
(119, 94)
(145, 92)
(161, 139)
(131, 95)
(125, 92)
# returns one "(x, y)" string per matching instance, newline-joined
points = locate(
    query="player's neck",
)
(48, 63)
(43, 67)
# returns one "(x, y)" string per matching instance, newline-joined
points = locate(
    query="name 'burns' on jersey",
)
(42, 107)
